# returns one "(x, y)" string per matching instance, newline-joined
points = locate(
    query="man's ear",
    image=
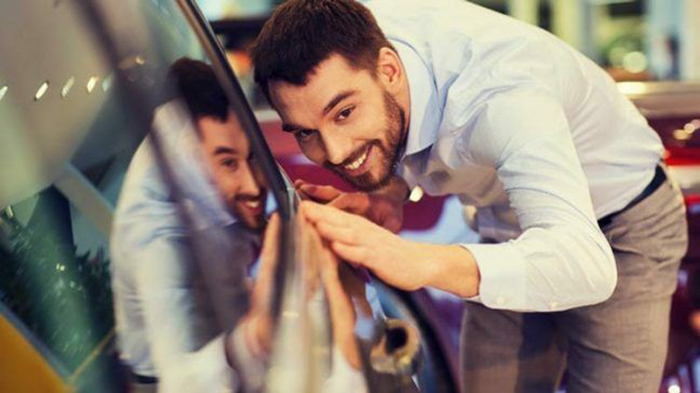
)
(390, 70)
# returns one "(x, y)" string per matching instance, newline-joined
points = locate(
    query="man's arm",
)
(404, 264)
(561, 260)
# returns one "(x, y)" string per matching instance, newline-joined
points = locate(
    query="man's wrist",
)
(452, 268)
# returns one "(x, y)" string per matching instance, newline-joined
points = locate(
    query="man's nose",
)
(249, 185)
(338, 149)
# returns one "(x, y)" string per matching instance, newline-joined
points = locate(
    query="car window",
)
(136, 224)
(70, 136)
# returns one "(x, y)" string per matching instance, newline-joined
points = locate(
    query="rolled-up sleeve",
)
(561, 260)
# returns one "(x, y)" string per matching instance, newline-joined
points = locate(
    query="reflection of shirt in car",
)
(532, 134)
(166, 316)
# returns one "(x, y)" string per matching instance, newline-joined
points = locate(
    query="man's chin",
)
(256, 225)
(253, 223)
(366, 182)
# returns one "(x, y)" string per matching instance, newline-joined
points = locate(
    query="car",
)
(78, 96)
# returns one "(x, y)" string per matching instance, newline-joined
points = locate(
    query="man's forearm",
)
(452, 268)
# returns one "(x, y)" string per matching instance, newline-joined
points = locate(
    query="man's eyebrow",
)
(337, 99)
(287, 127)
(225, 150)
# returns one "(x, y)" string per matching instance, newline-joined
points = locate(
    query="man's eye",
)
(304, 135)
(229, 164)
(345, 113)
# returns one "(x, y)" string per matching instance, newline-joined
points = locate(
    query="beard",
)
(251, 222)
(389, 152)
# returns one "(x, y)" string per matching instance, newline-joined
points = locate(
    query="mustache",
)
(249, 197)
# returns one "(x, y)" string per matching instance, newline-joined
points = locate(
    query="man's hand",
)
(257, 323)
(401, 263)
(384, 207)
(340, 291)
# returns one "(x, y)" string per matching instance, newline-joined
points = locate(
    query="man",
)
(461, 100)
(172, 319)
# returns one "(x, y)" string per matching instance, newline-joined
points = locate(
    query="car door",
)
(83, 91)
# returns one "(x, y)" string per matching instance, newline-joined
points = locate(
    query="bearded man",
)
(582, 233)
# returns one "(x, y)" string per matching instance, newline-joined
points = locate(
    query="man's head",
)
(224, 144)
(338, 85)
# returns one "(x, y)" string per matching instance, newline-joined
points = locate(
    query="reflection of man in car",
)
(224, 145)
(464, 101)
(172, 326)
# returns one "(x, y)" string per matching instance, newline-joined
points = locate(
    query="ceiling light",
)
(66, 88)
(92, 83)
(42, 90)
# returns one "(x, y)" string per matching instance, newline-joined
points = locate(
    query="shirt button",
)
(553, 305)
(500, 300)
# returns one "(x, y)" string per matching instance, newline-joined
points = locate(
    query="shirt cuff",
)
(503, 276)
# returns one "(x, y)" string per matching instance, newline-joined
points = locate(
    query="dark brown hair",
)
(196, 83)
(300, 34)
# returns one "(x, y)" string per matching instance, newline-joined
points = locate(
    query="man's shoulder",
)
(428, 18)
(455, 38)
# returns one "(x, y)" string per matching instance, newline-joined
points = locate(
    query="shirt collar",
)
(425, 113)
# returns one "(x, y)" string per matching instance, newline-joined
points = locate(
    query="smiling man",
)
(223, 144)
(582, 233)
(179, 328)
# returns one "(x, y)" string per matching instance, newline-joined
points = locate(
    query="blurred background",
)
(635, 40)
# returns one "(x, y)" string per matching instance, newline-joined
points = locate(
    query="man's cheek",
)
(313, 152)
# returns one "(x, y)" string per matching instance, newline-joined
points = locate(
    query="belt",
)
(658, 180)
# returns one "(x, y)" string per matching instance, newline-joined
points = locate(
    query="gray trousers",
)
(615, 346)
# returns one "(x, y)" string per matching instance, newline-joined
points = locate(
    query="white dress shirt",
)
(534, 135)
(165, 316)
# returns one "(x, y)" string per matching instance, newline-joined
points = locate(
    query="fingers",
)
(315, 212)
(268, 261)
(268, 254)
(318, 193)
(299, 182)
(338, 233)
(357, 255)
(353, 202)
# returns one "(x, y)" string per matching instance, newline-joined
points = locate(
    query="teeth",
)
(358, 162)
(252, 204)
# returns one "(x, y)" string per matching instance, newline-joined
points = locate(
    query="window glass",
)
(70, 136)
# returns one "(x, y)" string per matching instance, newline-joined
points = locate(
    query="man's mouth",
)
(253, 204)
(357, 163)
(356, 166)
